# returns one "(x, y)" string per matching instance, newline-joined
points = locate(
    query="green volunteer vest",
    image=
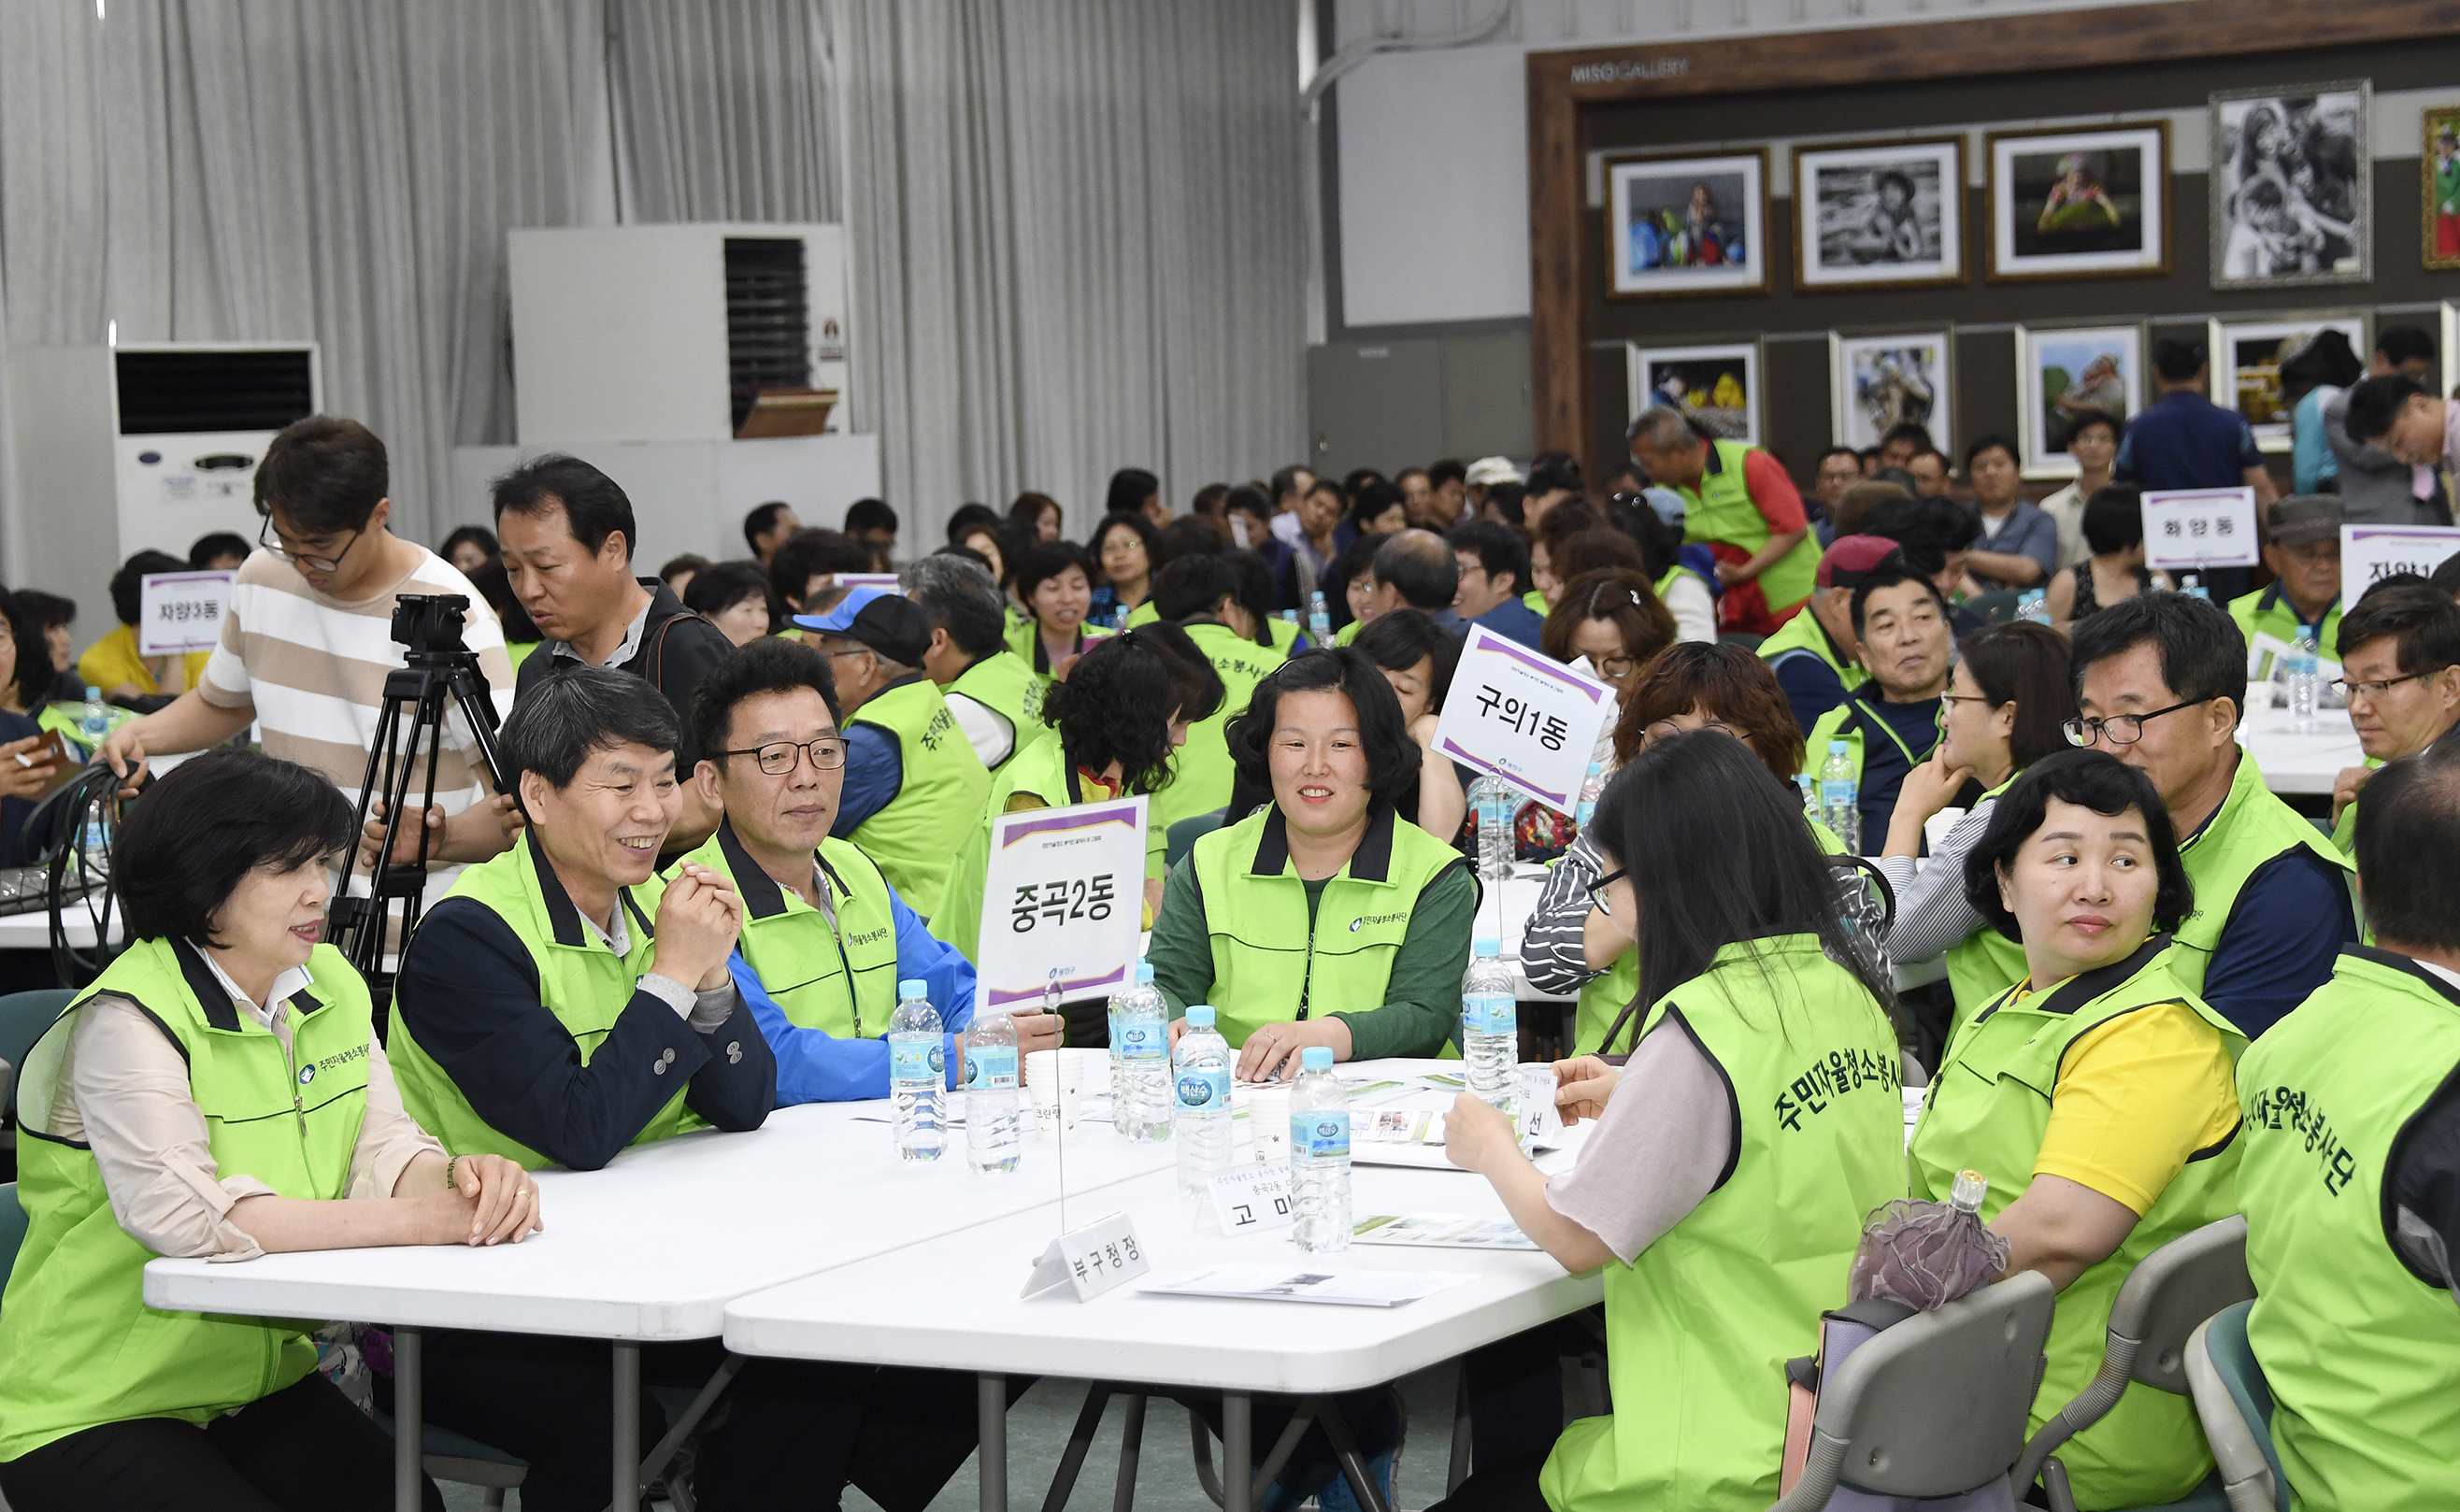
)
(1536, 602)
(1201, 770)
(580, 980)
(78, 1345)
(1347, 633)
(2357, 1346)
(1024, 638)
(1271, 962)
(1674, 574)
(2249, 829)
(1804, 633)
(1986, 963)
(1144, 614)
(912, 836)
(2345, 831)
(1988, 1109)
(1700, 1326)
(1286, 637)
(2268, 610)
(843, 980)
(1004, 684)
(1846, 721)
(1721, 510)
(1041, 777)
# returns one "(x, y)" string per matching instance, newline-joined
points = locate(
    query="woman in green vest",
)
(2006, 698)
(219, 1092)
(1054, 580)
(2097, 1094)
(1724, 1186)
(1118, 718)
(1322, 918)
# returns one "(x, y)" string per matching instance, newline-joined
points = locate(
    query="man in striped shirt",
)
(308, 642)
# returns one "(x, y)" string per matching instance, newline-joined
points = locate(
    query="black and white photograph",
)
(2247, 358)
(1879, 214)
(1716, 388)
(2292, 197)
(2080, 203)
(1686, 226)
(1882, 381)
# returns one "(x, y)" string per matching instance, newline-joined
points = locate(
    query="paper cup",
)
(1056, 1086)
(1935, 828)
(1268, 1117)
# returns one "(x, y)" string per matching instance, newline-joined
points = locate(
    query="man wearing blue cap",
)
(914, 789)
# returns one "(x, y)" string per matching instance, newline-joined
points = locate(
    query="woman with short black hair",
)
(1417, 656)
(1385, 908)
(738, 598)
(217, 1092)
(469, 547)
(1126, 551)
(2098, 1093)
(2113, 569)
(1054, 582)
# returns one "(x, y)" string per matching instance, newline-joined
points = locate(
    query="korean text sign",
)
(1531, 721)
(2370, 554)
(1064, 901)
(181, 611)
(2188, 530)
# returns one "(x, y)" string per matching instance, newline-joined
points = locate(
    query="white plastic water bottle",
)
(1319, 620)
(2033, 607)
(1810, 789)
(917, 1063)
(1491, 799)
(2301, 662)
(1839, 797)
(1140, 1095)
(1591, 786)
(1490, 1025)
(93, 721)
(2193, 587)
(993, 1136)
(1319, 1155)
(1201, 1089)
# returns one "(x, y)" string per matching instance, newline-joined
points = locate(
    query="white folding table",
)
(652, 1247)
(2300, 764)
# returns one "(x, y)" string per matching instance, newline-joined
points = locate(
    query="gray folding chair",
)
(2234, 1403)
(2169, 1292)
(1934, 1406)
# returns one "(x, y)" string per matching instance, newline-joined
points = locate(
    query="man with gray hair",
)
(1738, 500)
(991, 690)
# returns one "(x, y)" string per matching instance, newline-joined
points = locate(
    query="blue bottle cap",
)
(1835, 747)
(1200, 1016)
(1315, 1057)
(913, 987)
(1487, 946)
(1144, 974)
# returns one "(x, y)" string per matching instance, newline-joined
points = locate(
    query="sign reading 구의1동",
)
(1064, 902)
(1519, 716)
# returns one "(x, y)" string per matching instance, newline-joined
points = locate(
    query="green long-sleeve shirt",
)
(1421, 1007)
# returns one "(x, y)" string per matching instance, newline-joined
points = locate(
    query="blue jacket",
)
(817, 1067)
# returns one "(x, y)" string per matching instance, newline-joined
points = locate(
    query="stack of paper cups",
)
(1056, 1081)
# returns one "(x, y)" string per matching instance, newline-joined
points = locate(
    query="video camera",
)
(429, 624)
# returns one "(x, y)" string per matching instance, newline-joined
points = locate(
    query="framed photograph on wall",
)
(2292, 194)
(1686, 226)
(2078, 204)
(1878, 382)
(2065, 373)
(2440, 175)
(2246, 358)
(1718, 387)
(1879, 214)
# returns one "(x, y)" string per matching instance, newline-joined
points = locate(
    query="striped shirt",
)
(315, 666)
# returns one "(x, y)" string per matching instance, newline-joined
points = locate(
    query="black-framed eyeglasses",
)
(1947, 702)
(2374, 690)
(272, 540)
(1668, 729)
(777, 757)
(2122, 729)
(1598, 889)
(1616, 669)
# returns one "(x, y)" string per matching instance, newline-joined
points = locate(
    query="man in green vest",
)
(2350, 1176)
(991, 690)
(914, 785)
(1901, 622)
(1816, 655)
(1738, 500)
(826, 940)
(2161, 683)
(2302, 547)
(2400, 671)
(1199, 593)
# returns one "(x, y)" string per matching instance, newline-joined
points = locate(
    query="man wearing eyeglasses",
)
(2302, 547)
(914, 789)
(826, 938)
(2161, 684)
(2400, 672)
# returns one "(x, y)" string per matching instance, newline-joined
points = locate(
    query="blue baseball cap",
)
(890, 623)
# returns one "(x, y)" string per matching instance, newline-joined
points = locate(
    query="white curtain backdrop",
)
(724, 110)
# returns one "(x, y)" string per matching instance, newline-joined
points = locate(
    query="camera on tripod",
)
(429, 624)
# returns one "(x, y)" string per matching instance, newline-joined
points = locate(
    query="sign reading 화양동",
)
(2188, 530)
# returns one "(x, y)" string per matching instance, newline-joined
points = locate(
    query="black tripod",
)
(437, 669)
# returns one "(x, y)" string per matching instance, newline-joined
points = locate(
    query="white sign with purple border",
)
(181, 611)
(1531, 721)
(2370, 554)
(1064, 902)
(2190, 529)
(886, 582)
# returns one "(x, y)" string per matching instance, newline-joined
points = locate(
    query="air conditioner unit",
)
(125, 449)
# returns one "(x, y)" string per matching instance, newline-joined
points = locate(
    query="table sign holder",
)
(1093, 1260)
(2200, 529)
(181, 611)
(2372, 553)
(1250, 1199)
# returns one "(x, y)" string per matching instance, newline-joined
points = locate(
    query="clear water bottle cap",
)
(1970, 1187)
(1315, 1057)
(1144, 974)
(913, 987)
(1487, 945)
(1837, 748)
(1200, 1016)
(93, 694)
(1597, 768)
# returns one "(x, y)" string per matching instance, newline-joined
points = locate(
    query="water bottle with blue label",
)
(993, 1103)
(2033, 607)
(1319, 620)
(2304, 679)
(1319, 1155)
(1200, 1091)
(1493, 800)
(917, 1067)
(1839, 797)
(1141, 1093)
(93, 721)
(1591, 788)
(1490, 1025)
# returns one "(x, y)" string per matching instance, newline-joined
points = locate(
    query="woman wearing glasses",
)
(1756, 1122)
(2006, 703)
(2098, 1093)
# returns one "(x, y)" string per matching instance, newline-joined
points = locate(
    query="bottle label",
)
(1319, 1134)
(1833, 791)
(1141, 1042)
(991, 1068)
(1490, 1013)
(916, 1057)
(1202, 1091)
